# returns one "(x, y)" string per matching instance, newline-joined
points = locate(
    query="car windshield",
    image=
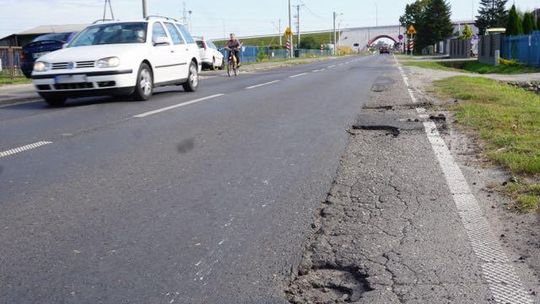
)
(54, 36)
(116, 33)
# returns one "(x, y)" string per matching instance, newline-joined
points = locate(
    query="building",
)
(23, 38)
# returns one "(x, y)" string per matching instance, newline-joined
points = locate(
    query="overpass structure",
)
(359, 38)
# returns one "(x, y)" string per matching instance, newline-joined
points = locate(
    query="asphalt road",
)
(206, 200)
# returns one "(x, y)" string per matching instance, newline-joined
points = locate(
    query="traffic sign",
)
(288, 45)
(288, 32)
(411, 30)
(400, 37)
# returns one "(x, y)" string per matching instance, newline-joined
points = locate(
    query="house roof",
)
(46, 29)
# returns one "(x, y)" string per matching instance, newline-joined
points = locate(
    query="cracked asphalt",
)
(389, 230)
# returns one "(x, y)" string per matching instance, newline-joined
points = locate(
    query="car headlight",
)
(41, 66)
(109, 62)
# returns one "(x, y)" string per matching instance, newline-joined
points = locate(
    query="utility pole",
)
(289, 38)
(110, 9)
(190, 21)
(298, 25)
(376, 15)
(144, 8)
(335, 38)
(184, 14)
(280, 33)
(277, 26)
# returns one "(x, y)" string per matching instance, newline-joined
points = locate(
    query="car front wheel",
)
(192, 83)
(145, 83)
(54, 100)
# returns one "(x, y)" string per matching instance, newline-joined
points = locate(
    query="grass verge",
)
(507, 120)
(5, 79)
(506, 67)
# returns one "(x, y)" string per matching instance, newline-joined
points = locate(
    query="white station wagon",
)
(120, 58)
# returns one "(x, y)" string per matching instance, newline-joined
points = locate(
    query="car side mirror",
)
(64, 45)
(159, 41)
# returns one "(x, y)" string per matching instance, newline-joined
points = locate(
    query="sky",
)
(217, 18)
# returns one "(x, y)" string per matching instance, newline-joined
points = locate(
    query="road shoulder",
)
(390, 230)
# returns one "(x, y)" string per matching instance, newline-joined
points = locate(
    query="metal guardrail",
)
(11, 58)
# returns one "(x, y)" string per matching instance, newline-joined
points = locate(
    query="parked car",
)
(384, 49)
(120, 58)
(211, 57)
(40, 46)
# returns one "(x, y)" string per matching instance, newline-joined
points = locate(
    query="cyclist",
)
(234, 45)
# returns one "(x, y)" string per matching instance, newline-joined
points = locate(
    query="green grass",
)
(5, 79)
(527, 196)
(507, 120)
(433, 65)
(16, 80)
(506, 67)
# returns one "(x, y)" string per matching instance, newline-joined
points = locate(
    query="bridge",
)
(360, 38)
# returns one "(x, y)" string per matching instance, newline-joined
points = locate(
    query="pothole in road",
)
(328, 285)
(391, 130)
(382, 84)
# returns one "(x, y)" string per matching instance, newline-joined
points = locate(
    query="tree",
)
(414, 13)
(492, 13)
(437, 24)
(528, 23)
(514, 25)
(467, 33)
(309, 43)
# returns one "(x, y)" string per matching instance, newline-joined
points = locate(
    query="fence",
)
(489, 48)
(249, 54)
(460, 48)
(10, 60)
(525, 49)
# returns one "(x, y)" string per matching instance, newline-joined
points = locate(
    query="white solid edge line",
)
(297, 75)
(24, 148)
(262, 84)
(504, 283)
(146, 114)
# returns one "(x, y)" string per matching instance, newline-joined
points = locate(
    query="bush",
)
(261, 54)
(345, 50)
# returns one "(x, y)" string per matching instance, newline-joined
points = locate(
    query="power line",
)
(311, 11)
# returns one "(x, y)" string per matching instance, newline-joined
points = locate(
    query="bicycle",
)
(232, 63)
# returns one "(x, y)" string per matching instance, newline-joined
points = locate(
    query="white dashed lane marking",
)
(262, 84)
(298, 75)
(24, 148)
(146, 114)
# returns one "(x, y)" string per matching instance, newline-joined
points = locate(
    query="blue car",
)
(40, 46)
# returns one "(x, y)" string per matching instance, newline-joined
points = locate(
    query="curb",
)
(16, 100)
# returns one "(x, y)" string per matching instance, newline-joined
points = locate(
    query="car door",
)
(191, 46)
(163, 58)
(180, 52)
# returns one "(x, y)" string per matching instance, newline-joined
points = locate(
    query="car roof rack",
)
(160, 17)
(103, 20)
